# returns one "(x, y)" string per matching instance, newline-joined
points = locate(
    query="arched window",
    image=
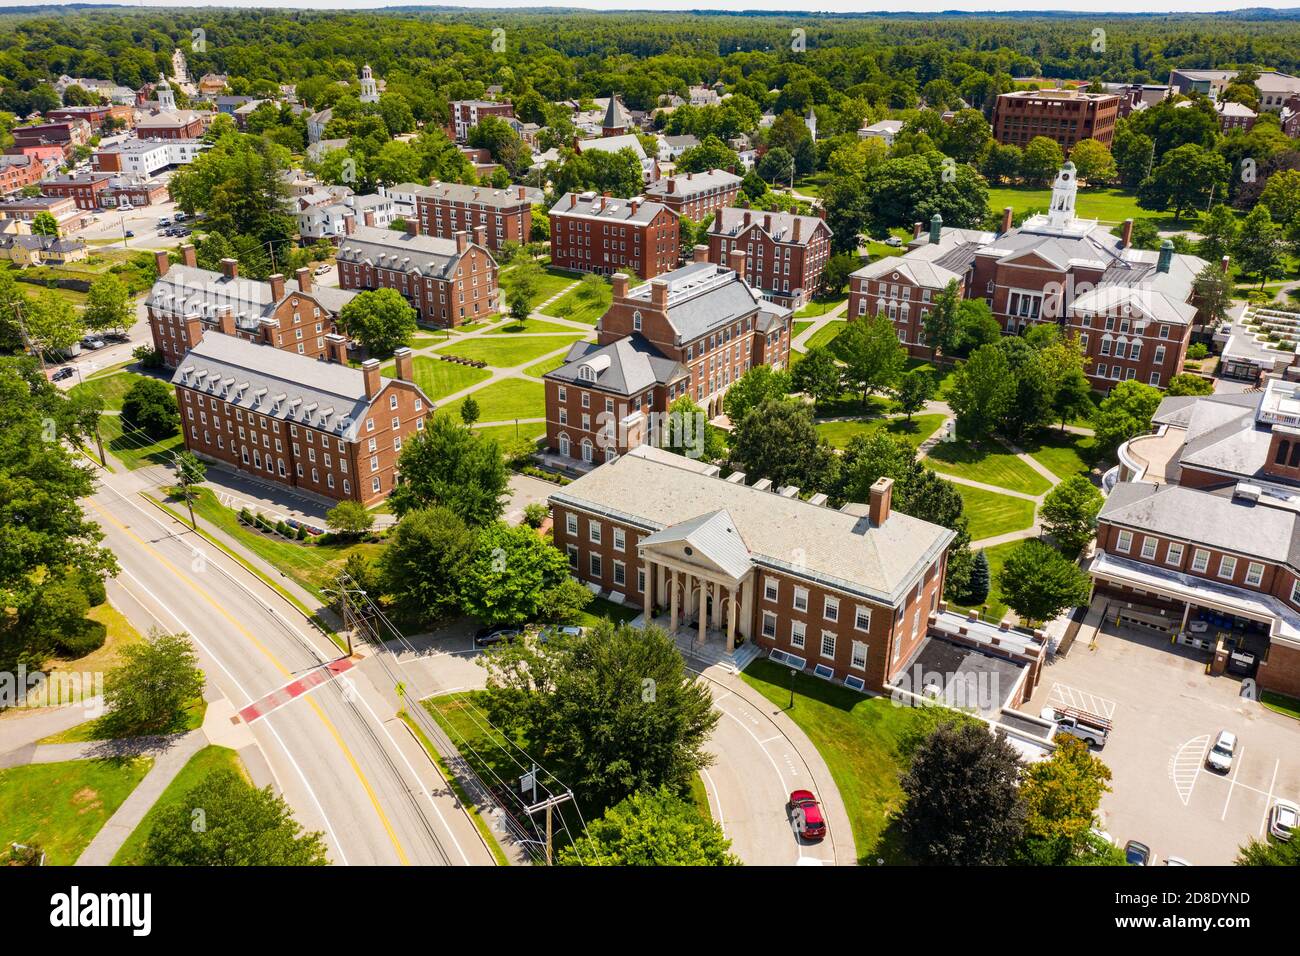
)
(586, 450)
(564, 445)
(1295, 455)
(1282, 449)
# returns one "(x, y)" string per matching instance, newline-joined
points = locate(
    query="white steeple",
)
(369, 88)
(811, 122)
(1064, 192)
(166, 98)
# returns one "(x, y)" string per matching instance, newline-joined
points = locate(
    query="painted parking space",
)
(1063, 695)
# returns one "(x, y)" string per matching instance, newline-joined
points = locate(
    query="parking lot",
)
(1166, 712)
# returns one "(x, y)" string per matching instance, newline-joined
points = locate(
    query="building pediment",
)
(709, 543)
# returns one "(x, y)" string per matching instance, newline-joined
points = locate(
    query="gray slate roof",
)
(627, 367)
(185, 289)
(269, 381)
(733, 224)
(588, 205)
(703, 296)
(389, 249)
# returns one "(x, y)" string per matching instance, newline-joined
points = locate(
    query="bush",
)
(245, 516)
(1197, 350)
(302, 532)
(535, 514)
(89, 637)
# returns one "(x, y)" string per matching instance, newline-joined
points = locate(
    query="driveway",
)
(1166, 711)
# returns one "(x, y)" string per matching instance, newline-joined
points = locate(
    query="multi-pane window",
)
(1200, 560)
(831, 609)
(1174, 553)
(798, 629)
(862, 618)
(1227, 566)
(859, 656)
(1124, 542)
(828, 643)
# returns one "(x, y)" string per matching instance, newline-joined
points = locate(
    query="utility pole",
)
(549, 804)
(185, 485)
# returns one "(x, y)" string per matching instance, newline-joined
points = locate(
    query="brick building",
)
(67, 135)
(86, 190)
(696, 195)
(317, 427)
(785, 253)
(506, 215)
(597, 233)
(465, 115)
(62, 208)
(1066, 116)
(691, 332)
(904, 289)
(99, 117)
(1200, 534)
(146, 157)
(1133, 309)
(187, 302)
(850, 591)
(448, 281)
(19, 172)
(172, 124)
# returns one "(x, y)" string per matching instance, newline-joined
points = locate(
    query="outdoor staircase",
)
(699, 656)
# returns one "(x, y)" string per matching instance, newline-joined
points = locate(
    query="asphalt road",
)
(338, 754)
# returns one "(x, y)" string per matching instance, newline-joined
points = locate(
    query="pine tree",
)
(978, 589)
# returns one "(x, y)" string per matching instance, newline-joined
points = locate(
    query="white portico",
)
(701, 571)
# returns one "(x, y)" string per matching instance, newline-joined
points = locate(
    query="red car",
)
(806, 815)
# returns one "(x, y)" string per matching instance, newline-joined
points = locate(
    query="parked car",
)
(320, 270)
(129, 234)
(180, 217)
(1137, 854)
(806, 815)
(1089, 728)
(164, 221)
(556, 630)
(487, 636)
(1283, 819)
(61, 373)
(1176, 861)
(92, 342)
(1219, 756)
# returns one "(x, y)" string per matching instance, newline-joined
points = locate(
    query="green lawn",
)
(505, 434)
(918, 430)
(850, 405)
(820, 306)
(507, 351)
(1064, 455)
(1280, 703)
(311, 565)
(997, 608)
(527, 327)
(133, 449)
(1110, 204)
(551, 282)
(194, 772)
(798, 328)
(942, 377)
(110, 386)
(991, 514)
(863, 741)
(603, 608)
(990, 463)
(439, 378)
(826, 334)
(61, 806)
(544, 366)
(572, 305)
(506, 400)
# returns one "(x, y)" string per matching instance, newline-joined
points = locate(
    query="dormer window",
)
(587, 373)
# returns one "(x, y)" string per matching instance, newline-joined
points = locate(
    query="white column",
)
(673, 601)
(649, 590)
(704, 617)
(731, 619)
(743, 610)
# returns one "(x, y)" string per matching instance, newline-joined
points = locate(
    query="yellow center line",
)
(329, 725)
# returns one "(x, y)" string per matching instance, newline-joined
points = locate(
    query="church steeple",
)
(165, 96)
(369, 88)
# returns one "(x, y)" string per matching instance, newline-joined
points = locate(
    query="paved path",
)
(800, 341)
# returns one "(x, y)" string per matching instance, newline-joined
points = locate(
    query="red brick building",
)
(465, 115)
(1133, 309)
(692, 332)
(322, 428)
(173, 124)
(845, 593)
(1200, 533)
(505, 215)
(448, 281)
(87, 190)
(187, 302)
(785, 253)
(595, 233)
(697, 196)
(67, 135)
(19, 172)
(1065, 116)
(903, 288)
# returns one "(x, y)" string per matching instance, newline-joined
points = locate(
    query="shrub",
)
(1197, 350)
(535, 514)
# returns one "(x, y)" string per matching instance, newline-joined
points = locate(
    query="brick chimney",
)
(619, 281)
(462, 240)
(303, 276)
(1007, 214)
(700, 253)
(370, 370)
(882, 493)
(1126, 236)
(268, 330)
(573, 200)
(717, 219)
(226, 320)
(412, 227)
(523, 193)
(767, 222)
(188, 256)
(736, 261)
(749, 217)
(230, 268)
(162, 261)
(659, 294)
(336, 348)
(672, 185)
(794, 234)
(405, 364)
(916, 230)
(349, 224)
(1223, 264)
(480, 236)
(368, 217)
(277, 287)
(635, 204)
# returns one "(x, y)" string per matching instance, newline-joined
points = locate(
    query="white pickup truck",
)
(1090, 728)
